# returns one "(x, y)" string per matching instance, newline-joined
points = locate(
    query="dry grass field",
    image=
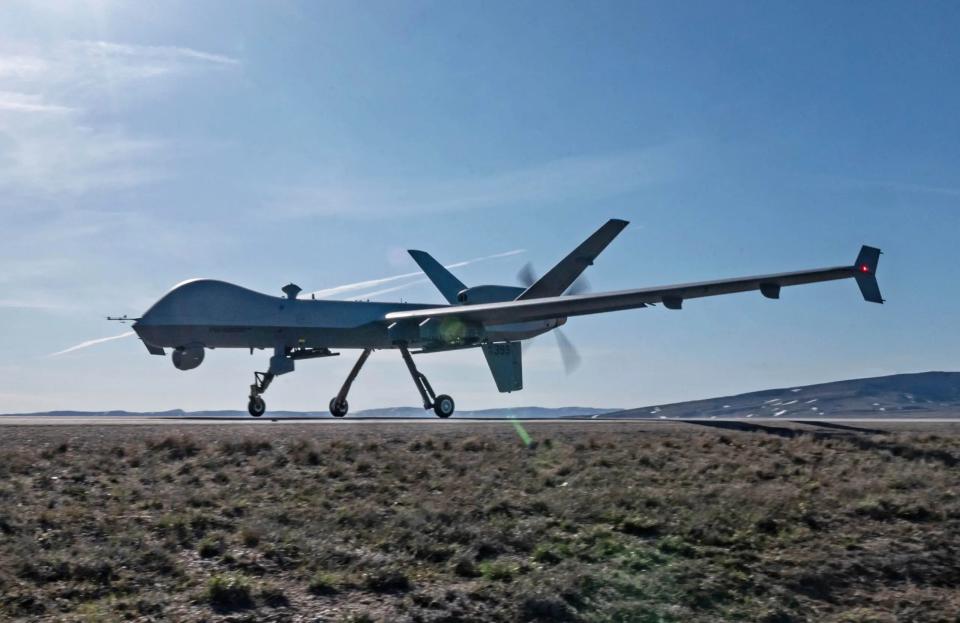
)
(462, 522)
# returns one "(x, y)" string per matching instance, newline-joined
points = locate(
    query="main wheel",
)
(338, 409)
(256, 407)
(443, 406)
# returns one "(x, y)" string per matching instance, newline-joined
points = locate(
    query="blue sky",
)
(313, 142)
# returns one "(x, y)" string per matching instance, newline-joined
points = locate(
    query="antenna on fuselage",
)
(291, 290)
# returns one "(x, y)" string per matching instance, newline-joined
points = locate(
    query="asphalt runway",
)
(42, 420)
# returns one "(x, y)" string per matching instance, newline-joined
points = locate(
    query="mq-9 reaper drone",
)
(204, 313)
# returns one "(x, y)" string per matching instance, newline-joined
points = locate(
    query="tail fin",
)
(561, 276)
(506, 364)
(866, 267)
(442, 278)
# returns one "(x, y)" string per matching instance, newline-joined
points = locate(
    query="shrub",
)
(248, 447)
(176, 447)
(387, 581)
(322, 584)
(550, 553)
(210, 547)
(465, 567)
(273, 596)
(229, 592)
(250, 535)
(303, 452)
(498, 570)
(474, 444)
(538, 608)
(640, 526)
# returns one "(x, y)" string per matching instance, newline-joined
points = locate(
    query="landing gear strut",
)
(261, 381)
(443, 404)
(338, 404)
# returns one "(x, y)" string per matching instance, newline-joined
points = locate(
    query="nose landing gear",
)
(257, 407)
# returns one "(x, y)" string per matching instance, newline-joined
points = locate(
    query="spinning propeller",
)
(568, 352)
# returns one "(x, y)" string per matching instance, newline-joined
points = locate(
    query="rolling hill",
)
(925, 394)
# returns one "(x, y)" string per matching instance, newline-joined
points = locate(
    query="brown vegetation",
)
(465, 523)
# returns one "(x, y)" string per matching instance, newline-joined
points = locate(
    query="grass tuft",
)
(229, 592)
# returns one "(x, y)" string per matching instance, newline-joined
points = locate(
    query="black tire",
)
(338, 409)
(443, 406)
(256, 407)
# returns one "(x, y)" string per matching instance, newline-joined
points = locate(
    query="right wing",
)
(671, 297)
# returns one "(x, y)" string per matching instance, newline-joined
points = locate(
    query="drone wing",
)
(672, 297)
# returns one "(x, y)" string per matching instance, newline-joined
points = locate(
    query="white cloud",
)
(58, 154)
(27, 103)
(566, 179)
(50, 145)
(164, 56)
(90, 68)
(29, 304)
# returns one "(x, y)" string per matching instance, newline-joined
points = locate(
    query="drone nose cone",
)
(143, 320)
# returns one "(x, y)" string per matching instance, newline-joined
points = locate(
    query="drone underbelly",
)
(371, 335)
(521, 330)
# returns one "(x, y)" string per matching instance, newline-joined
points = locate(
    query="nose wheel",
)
(256, 407)
(261, 381)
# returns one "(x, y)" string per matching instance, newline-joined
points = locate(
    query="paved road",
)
(33, 420)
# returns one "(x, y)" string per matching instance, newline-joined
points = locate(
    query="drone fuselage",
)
(217, 314)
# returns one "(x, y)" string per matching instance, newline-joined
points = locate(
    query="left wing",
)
(672, 297)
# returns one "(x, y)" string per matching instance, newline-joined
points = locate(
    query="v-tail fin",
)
(442, 278)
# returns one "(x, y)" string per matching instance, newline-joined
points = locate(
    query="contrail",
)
(368, 295)
(90, 343)
(372, 283)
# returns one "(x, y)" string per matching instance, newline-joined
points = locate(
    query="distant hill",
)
(926, 394)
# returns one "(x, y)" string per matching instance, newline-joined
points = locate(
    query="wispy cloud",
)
(49, 144)
(29, 304)
(907, 187)
(89, 67)
(27, 103)
(89, 343)
(921, 188)
(158, 58)
(372, 283)
(567, 179)
(58, 154)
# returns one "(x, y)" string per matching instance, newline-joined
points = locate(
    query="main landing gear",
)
(338, 404)
(443, 404)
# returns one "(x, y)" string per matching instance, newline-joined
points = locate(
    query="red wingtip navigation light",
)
(864, 268)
